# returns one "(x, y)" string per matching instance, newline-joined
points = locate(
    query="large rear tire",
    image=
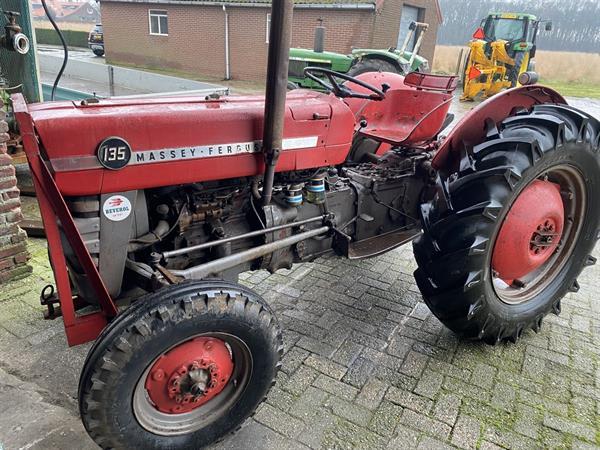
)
(472, 229)
(181, 368)
(372, 65)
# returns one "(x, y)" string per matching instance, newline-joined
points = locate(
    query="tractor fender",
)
(387, 56)
(474, 126)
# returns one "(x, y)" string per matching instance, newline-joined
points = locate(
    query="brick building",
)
(13, 244)
(189, 35)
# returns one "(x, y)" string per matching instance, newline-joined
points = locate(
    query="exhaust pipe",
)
(319, 45)
(277, 83)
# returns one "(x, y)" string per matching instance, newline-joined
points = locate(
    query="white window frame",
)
(268, 28)
(157, 13)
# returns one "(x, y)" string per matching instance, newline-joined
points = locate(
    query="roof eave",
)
(338, 6)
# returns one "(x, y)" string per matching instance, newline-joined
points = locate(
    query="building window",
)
(268, 28)
(158, 22)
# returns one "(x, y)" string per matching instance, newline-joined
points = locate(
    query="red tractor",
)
(153, 207)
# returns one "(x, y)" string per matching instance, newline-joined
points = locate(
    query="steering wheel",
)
(339, 89)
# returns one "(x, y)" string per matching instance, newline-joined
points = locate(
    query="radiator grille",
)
(297, 67)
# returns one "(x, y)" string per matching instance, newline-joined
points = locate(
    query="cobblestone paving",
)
(366, 366)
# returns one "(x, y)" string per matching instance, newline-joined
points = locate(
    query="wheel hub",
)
(189, 375)
(530, 233)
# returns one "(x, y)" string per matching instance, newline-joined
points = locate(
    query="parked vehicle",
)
(96, 40)
(152, 207)
(394, 60)
(501, 51)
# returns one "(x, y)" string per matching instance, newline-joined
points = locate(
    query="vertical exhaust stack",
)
(319, 45)
(277, 78)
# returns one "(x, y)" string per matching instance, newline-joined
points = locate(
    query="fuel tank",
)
(118, 145)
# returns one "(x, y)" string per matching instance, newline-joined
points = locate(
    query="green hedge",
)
(50, 37)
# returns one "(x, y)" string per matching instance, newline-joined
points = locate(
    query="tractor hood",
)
(124, 144)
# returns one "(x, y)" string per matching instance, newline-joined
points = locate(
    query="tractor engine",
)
(176, 228)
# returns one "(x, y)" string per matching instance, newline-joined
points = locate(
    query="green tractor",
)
(395, 60)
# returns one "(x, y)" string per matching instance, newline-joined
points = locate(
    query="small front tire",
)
(180, 369)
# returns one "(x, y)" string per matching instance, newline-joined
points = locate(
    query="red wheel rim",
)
(189, 375)
(538, 235)
(530, 232)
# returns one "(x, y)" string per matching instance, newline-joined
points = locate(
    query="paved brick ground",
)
(366, 366)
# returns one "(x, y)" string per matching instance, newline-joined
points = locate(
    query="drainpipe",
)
(227, 69)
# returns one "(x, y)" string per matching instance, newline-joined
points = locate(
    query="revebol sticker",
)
(117, 208)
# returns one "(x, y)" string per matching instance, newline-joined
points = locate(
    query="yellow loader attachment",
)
(489, 75)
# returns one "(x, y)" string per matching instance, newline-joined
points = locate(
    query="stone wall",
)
(13, 240)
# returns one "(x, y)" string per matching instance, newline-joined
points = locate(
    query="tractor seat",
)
(409, 116)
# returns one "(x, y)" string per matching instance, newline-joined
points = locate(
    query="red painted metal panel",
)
(54, 210)
(443, 83)
(377, 79)
(180, 123)
(472, 127)
(406, 116)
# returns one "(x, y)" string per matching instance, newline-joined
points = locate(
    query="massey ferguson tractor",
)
(152, 207)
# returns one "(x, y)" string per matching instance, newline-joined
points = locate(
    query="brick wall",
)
(13, 244)
(387, 25)
(249, 49)
(196, 40)
(127, 39)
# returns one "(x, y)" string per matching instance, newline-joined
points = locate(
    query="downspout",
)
(227, 67)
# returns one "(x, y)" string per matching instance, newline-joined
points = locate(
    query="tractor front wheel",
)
(181, 368)
(507, 234)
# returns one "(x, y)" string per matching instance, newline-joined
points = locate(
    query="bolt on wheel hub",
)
(530, 233)
(189, 375)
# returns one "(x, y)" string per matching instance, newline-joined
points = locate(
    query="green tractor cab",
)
(359, 61)
(518, 30)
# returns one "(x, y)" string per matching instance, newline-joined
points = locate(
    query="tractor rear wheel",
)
(372, 65)
(181, 368)
(507, 234)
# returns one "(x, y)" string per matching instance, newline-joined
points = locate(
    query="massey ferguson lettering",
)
(206, 151)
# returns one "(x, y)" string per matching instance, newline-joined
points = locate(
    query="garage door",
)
(409, 14)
